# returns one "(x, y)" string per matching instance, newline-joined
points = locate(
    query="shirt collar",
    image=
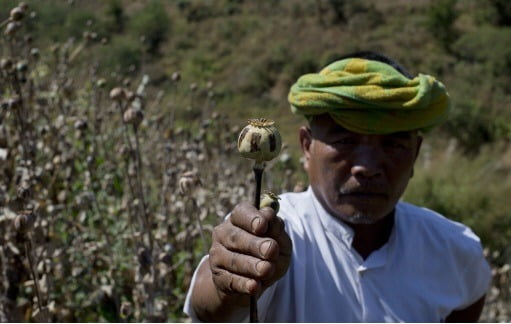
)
(330, 223)
(341, 231)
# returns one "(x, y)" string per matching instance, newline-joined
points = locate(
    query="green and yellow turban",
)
(371, 97)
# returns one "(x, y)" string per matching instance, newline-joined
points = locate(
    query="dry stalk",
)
(199, 222)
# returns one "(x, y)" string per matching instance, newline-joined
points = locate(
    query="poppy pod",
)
(133, 116)
(259, 140)
(271, 200)
(117, 93)
(188, 182)
(16, 14)
(24, 221)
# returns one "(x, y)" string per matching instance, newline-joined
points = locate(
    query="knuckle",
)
(233, 237)
(214, 254)
(235, 264)
(214, 234)
(221, 279)
(218, 231)
(239, 210)
(217, 275)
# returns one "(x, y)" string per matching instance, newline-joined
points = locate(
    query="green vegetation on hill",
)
(210, 66)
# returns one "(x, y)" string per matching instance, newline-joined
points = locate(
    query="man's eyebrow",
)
(402, 135)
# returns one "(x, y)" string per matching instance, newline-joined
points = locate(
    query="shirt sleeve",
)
(188, 309)
(477, 279)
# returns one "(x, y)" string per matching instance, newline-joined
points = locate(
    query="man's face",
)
(357, 178)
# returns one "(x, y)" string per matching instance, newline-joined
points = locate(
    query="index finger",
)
(249, 218)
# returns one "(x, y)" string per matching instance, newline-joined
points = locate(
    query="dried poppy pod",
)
(117, 93)
(16, 14)
(7, 65)
(126, 309)
(12, 28)
(271, 200)
(133, 116)
(188, 182)
(34, 52)
(101, 83)
(176, 76)
(24, 221)
(80, 124)
(22, 66)
(260, 140)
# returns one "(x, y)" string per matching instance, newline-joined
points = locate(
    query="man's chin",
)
(362, 219)
(357, 216)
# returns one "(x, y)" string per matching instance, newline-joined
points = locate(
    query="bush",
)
(502, 9)
(53, 18)
(121, 55)
(153, 24)
(440, 22)
(474, 191)
(486, 45)
(266, 70)
(115, 17)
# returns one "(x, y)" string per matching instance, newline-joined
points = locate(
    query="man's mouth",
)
(363, 193)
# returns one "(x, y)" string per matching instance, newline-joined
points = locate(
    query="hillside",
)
(104, 191)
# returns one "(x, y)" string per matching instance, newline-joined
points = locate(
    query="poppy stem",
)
(258, 174)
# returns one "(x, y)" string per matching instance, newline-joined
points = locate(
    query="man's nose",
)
(367, 162)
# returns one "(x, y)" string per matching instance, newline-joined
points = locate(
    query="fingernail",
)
(264, 247)
(260, 266)
(249, 286)
(255, 223)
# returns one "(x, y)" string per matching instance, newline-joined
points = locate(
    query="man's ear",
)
(417, 150)
(419, 144)
(305, 144)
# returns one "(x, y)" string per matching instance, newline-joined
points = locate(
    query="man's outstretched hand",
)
(249, 252)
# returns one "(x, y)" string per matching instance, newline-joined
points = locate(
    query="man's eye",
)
(344, 141)
(391, 143)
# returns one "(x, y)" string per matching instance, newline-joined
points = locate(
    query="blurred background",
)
(119, 121)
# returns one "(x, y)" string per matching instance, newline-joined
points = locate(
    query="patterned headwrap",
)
(371, 97)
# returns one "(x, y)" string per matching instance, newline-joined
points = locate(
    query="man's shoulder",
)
(424, 223)
(296, 207)
(294, 198)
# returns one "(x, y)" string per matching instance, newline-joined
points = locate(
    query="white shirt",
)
(429, 267)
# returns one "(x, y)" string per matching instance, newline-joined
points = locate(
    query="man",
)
(347, 250)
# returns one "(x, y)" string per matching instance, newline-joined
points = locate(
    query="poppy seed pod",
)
(34, 52)
(22, 66)
(7, 65)
(14, 102)
(126, 309)
(101, 83)
(80, 124)
(24, 190)
(16, 14)
(188, 182)
(271, 200)
(130, 95)
(133, 116)
(117, 93)
(24, 221)
(260, 140)
(12, 28)
(176, 76)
